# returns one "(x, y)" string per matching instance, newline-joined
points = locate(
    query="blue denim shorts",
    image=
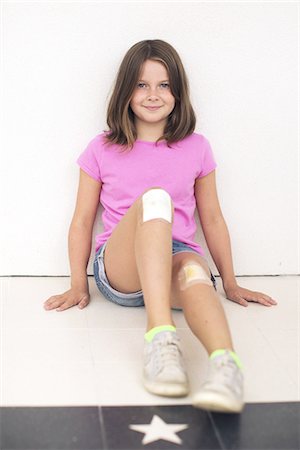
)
(134, 298)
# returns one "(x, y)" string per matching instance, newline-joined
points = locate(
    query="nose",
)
(152, 98)
(152, 94)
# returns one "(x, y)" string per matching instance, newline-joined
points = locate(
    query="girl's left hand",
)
(243, 296)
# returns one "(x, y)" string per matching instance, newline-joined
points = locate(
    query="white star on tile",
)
(158, 429)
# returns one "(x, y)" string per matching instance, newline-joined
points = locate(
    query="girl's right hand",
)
(68, 299)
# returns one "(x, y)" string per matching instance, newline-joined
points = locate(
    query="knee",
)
(156, 203)
(192, 272)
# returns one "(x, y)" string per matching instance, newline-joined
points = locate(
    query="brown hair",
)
(120, 117)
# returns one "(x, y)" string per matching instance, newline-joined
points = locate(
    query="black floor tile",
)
(50, 428)
(263, 426)
(267, 426)
(198, 435)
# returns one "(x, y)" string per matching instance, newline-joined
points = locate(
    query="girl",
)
(150, 170)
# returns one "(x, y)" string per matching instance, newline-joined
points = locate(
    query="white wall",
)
(58, 67)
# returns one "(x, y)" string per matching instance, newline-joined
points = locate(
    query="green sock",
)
(233, 354)
(153, 332)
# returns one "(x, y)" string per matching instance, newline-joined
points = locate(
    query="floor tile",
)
(260, 426)
(159, 430)
(126, 345)
(286, 348)
(45, 354)
(45, 347)
(118, 384)
(50, 428)
(266, 379)
(116, 345)
(46, 367)
(23, 299)
(285, 315)
(69, 384)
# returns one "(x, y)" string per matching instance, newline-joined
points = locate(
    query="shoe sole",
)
(217, 403)
(167, 390)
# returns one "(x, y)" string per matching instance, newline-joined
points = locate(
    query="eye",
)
(165, 85)
(140, 85)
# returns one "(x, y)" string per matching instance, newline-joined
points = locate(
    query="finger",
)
(266, 300)
(49, 300)
(83, 303)
(258, 297)
(53, 302)
(240, 300)
(262, 301)
(55, 305)
(269, 299)
(60, 303)
(65, 305)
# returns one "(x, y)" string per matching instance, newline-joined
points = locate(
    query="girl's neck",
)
(150, 134)
(148, 138)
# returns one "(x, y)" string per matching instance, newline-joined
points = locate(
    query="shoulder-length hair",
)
(120, 117)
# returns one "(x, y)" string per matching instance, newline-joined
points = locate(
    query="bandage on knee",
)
(193, 273)
(157, 205)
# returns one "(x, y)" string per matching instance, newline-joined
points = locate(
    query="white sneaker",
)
(223, 389)
(164, 372)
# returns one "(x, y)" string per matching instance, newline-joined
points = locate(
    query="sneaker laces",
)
(223, 370)
(167, 354)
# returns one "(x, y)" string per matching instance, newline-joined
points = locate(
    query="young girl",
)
(150, 170)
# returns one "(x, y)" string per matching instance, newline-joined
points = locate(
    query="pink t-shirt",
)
(125, 176)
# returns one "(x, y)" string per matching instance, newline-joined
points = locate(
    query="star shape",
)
(158, 429)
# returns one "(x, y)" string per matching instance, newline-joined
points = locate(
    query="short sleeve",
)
(208, 162)
(90, 159)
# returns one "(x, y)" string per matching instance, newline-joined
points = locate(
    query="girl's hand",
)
(243, 296)
(68, 299)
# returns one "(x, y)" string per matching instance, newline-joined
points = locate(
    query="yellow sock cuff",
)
(233, 354)
(153, 332)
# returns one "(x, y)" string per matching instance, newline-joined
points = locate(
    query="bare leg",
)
(202, 308)
(138, 256)
(205, 316)
(153, 249)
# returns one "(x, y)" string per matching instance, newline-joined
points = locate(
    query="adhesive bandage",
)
(157, 205)
(193, 273)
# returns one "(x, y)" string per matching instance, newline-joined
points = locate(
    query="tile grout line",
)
(298, 330)
(215, 428)
(298, 283)
(102, 427)
(274, 353)
(1, 341)
(4, 291)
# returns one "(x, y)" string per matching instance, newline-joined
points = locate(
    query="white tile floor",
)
(93, 356)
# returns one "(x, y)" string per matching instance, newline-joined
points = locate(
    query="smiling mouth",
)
(152, 108)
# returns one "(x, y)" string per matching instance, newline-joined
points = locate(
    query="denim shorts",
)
(134, 298)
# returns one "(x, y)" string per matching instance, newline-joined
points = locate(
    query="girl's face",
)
(152, 100)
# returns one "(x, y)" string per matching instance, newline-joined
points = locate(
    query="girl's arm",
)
(218, 241)
(80, 241)
(80, 233)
